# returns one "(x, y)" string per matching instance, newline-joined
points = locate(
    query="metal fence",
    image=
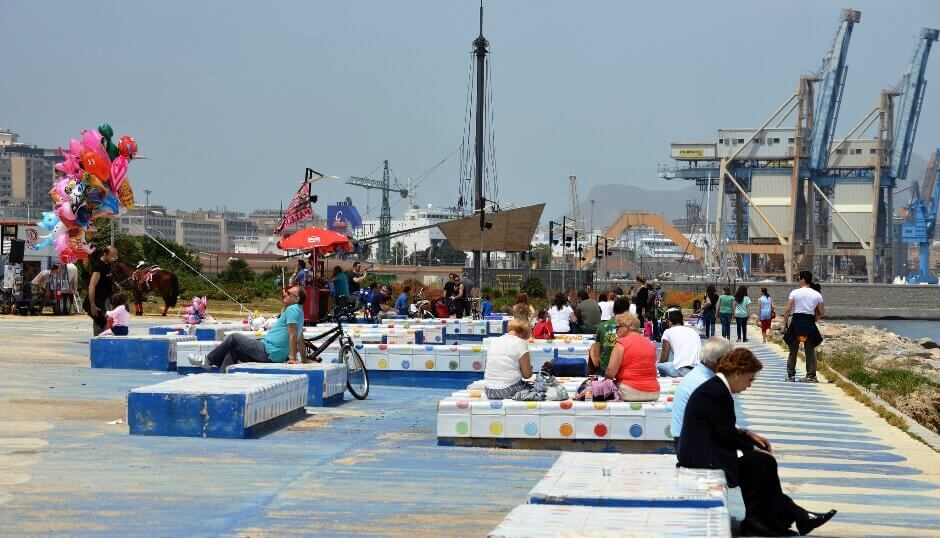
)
(554, 279)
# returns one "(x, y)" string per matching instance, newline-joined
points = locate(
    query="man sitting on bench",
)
(283, 343)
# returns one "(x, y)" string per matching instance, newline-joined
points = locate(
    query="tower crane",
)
(921, 219)
(385, 219)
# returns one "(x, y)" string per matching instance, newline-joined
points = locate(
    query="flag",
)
(298, 209)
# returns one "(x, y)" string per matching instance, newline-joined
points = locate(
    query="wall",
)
(849, 301)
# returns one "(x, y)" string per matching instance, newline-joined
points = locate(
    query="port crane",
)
(921, 220)
(385, 218)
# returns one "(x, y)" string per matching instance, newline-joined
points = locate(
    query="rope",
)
(241, 307)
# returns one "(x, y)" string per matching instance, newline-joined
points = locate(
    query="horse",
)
(144, 280)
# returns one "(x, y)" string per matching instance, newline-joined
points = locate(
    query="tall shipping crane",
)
(385, 219)
(921, 220)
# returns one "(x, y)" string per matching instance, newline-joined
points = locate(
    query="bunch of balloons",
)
(91, 184)
(195, 313)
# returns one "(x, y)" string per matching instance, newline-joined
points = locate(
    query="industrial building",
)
(790, 195)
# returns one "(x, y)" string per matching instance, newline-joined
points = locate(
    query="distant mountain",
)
(613, 199)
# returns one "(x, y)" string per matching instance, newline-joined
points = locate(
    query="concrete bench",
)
(216, 405)
(326, 383)
(203, 332)
(424, 365)
(150, 352)
(629, 480)
(538, 520)
(468, 418)
(190, 355)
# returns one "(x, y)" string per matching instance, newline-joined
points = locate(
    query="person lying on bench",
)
(283, 343)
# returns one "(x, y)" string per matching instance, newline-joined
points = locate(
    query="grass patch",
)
(852, 362)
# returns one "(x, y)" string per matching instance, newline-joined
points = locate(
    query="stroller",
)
(441, 308)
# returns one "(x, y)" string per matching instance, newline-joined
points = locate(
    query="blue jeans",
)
(668, 369)
(725, 325)
(741, 325)
(708, 319)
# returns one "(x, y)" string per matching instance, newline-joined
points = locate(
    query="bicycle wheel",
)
(357, 377)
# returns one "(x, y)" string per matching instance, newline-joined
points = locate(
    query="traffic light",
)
(551, 233)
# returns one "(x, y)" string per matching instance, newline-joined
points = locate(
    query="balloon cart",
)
(320, 244)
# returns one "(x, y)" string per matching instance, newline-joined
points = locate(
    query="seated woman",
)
(543, 326)
(633, 362)
(507, 362)
(710, 440)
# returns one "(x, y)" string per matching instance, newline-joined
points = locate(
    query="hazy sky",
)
(231, 100)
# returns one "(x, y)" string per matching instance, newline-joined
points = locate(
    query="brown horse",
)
(143, 281)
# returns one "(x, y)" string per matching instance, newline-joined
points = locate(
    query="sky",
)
(230, 101)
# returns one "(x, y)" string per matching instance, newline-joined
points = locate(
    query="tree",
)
(534, 287)
(445, 254)
(237, 272)
(399, 252)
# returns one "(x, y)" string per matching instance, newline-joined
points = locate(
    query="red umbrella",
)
(316, 239)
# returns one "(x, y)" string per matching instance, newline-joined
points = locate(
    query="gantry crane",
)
(921, 220)
(385, 219)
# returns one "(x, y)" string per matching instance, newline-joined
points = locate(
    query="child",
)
(118, 317)
(486, 305)
(543, 327)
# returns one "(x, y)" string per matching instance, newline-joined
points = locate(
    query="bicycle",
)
(357, 377)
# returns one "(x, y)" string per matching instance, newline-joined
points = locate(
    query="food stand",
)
(320, 244)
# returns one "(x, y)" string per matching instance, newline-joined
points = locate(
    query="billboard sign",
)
(343, 218)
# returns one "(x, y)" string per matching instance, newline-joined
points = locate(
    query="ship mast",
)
(480, 45)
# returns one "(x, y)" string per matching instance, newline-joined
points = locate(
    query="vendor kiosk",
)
(319, 243)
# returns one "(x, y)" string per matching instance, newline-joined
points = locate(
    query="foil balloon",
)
(95, 165)
(127, 146)
(92, 184)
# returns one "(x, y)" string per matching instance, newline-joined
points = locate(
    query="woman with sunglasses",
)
(633, 362)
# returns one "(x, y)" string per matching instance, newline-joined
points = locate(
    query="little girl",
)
(118, 317)
(543, 327)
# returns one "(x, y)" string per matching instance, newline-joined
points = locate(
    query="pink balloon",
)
(91, 140)
(70, 167)
(75, 148)
(118, 172)
(64, 210)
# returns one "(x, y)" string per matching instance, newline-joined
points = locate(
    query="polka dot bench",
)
(540, 521)
(468, 418)
(203, 331)
(622, 480)
(423, 365)
(216, 405)
(149, 352)
(326, 383)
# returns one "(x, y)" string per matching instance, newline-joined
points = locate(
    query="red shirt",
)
(543, 330)
(638, 366)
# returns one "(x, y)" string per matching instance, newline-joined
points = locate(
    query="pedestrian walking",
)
(725, 311)
(766, 313)
(741, 302)
(804, 308)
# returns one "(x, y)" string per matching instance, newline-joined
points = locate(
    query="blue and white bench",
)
(202, 332)
(190, 357)
(540, 521)
(150, 352)
(216, 405)
(326, 383)
(629, 480)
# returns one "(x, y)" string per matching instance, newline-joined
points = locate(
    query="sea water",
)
(909, 328)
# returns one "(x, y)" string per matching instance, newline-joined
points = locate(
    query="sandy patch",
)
(64, 409)
(23, 426)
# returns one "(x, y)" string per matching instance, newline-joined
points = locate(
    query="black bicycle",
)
(357, 377)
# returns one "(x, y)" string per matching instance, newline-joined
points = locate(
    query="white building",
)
(414, 217)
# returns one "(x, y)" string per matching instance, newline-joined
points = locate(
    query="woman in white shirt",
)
(607, 306)
(561, 313)
(507, 361)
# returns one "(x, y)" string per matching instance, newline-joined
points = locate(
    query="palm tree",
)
(399, 252)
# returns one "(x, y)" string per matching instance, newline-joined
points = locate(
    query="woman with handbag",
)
(766, 314)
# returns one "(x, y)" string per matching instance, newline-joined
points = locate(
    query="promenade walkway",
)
(374, 467)
(834, 452)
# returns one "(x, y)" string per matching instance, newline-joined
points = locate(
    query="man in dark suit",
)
(710, 440)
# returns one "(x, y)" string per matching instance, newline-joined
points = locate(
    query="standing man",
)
(462, 299)
(283, 343)
(356, 278)
(642, 299)
(100, 289)
(683, 342)
(804, 309)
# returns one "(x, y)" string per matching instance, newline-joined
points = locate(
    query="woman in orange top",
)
(633, 362)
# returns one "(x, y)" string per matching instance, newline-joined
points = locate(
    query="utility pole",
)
(480, 45)
(147, 192)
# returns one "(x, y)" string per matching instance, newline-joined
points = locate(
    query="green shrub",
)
(534, 287)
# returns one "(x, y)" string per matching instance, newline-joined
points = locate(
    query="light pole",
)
(147, 192)
(592, 215)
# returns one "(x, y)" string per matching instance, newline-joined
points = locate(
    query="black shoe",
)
(814, 520)
(810, 379)
(791, 378)
(756, 527)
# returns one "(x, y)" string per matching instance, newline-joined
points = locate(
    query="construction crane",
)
(385, 219)
(921, 219)
(907, 113)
